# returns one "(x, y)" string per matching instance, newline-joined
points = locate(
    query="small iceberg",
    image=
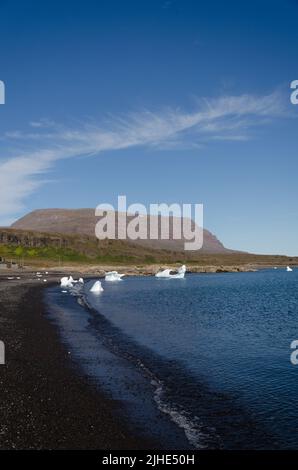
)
(70, 281)
(170, 274)
(112, 276)
(96, 288)
(289, 269)
(66, 282)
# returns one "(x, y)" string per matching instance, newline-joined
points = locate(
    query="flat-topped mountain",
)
(83, 222)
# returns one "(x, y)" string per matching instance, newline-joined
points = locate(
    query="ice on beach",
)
(10, 278)
(113, 276)
(66, 282)
(96, 288)
(70, 281)
(45, 280)
(169, 274)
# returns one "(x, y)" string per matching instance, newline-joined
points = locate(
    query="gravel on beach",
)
(44, 402)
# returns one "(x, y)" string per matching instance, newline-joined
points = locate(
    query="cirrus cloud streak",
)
(228, 118)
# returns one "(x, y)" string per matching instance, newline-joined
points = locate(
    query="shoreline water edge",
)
(44, 402)
(76, 379)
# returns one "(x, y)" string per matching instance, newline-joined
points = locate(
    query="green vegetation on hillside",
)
(52, 255)
(43, 249)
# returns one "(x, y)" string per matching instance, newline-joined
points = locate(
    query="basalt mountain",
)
(82, 222)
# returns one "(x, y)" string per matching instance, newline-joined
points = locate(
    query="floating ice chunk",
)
(81, 280)
(66, 282)
(165, 273)
(182, 270)
(113, 276)
(169, 274)
(96, 288)
(10, 278)
(289, 269)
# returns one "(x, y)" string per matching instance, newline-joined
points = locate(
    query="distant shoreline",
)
(131, 270)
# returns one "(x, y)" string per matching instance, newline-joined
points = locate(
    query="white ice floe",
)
(45, 280)
(170, 274)
(70, 281)
(113, 276)
(289, 269)
(10, 278)
(63, 281)
(96, 288)
(66, 281)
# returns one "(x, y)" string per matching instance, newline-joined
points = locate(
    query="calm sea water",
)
(198, 362)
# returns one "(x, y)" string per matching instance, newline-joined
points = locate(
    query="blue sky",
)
(164, 101)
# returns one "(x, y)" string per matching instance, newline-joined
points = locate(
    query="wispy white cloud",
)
(226, 118)
(18, 180)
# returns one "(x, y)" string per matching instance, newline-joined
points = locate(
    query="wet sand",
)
(44, 402)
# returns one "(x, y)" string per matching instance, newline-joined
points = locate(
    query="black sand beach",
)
(44, 403)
